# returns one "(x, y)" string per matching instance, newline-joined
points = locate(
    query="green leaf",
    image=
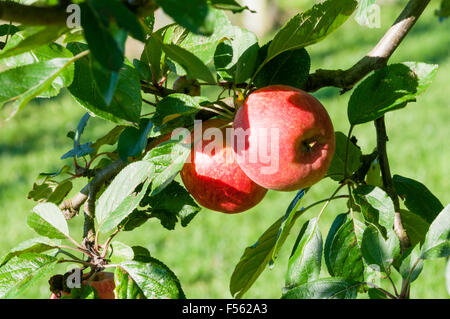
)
(171, 204)
(149, 23)
(133, 141)
(411, 265)
(84, 292)
(125, 106)
(8, 29)
(305, 261)
(22, 84)
(231, 5)
(311, 26)
(235, 57)
(193, 66)
(324, 288)
(335, 226)
(437, 241)
(126, 288)
(152, 55)
(121, 187)
(342, 252)
(144, 70)
(155, 279)
(378, 252)
(447, 275)
(418, 198)
(376, 205)
(443, 12)
(31, 38)
(202, 46)
(105, 80)
(388, 89)
(35, 245)
(173, 107)
(288, 68)
(41, 54)
(124, 209)
(109, 138)
(336, 169)
(255, 259)
(50, 191)
(23, 271)
(375, 293)
(193, 15)
(415, 226)
(60, 192)
(48, 220)
(168, 159)
(288, 221)
(124, 18)
(136, 219)
(122, 252)
(104, 47)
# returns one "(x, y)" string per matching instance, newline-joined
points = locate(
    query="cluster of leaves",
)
(206, 48)
(361, 247)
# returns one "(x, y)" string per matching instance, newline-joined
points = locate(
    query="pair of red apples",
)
(282, 139)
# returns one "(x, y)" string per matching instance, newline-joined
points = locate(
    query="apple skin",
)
(306, 138)
(103, 284)
(215, 180)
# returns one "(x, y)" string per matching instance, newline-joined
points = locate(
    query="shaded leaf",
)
(378, 252)
(193, 14)
(376, 205)
(171, 204)
(411, 264)
(288, 68)
(388, 89)
(336, 169)
(342, 251)
(324, 288)
(288, 221)
(305, 261)
(133, 141)
(418, 198)
(125, 106)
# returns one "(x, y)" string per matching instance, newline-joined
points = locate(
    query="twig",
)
(387, 182)
(33, 15)
(376, 58)
(108, 242)
(71, 207)
(54, 15)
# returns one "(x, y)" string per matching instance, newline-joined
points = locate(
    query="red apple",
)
(214, 178)
(290, 138)
(103, 283)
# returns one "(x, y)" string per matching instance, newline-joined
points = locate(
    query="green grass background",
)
(204, 254)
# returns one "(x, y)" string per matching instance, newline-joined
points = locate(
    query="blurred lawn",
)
(204, 254)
